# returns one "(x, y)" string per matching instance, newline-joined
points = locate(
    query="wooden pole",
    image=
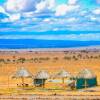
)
(75, 84)
(22, 81)
(86, 84)
(8, 76)
(63, 80)
(8, 81)
(43, 83)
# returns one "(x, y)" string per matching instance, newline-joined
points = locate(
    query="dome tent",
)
(86, 78)
(40, 78)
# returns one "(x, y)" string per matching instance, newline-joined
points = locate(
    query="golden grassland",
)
(52, 61)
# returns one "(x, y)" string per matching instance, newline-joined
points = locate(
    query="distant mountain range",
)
(32, 44)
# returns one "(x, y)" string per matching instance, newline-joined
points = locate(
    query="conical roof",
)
(86, 73)
(22, 72)
(42, 75)
(62, 74)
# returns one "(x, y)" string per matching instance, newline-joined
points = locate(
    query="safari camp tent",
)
(86, 78)
(40, 78)
(22, 73)
(62, 74)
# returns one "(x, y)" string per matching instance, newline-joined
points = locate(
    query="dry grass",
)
(71, 61)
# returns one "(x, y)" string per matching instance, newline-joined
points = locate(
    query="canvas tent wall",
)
(39, 82)
(86, 78)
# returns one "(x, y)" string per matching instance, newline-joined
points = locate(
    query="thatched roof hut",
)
(62, 74)
(22, 72)
(86, 73)
(42, 75)
(40, 78)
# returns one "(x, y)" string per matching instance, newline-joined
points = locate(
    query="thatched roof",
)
(22, 72)
(86, 73)
(42, 75)
(62, 74)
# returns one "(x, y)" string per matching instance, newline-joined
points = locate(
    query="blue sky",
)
(68, 19)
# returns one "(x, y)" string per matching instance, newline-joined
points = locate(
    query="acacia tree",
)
(2, 60)
(67, 58)
(22, 60)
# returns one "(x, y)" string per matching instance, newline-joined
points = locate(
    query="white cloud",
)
(41, 6)
(63, 9)
(83, 12)
(12, 18)
(46, 20)
(14, 6)
(51, 4)
(28, 14)
(46, 4)
(20, 5)
(82, 37)
(2, 10)
(73, 15)
(71, 20)
(96, 11)
(72, 2)
(93, 18)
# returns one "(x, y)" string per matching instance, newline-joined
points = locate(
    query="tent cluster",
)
(85, 78)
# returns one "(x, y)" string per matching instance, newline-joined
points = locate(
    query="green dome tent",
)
(86, 78)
